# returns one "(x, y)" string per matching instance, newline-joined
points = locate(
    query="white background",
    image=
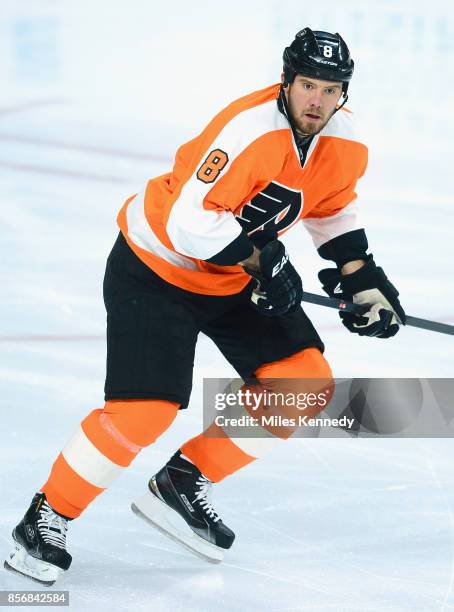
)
(95, 98)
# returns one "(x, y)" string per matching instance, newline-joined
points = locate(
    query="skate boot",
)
(178, 503)
(40, 543)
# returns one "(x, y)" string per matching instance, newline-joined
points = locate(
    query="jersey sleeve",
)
(339, 237)
(335, 223)
(325, 228)
(223, 174)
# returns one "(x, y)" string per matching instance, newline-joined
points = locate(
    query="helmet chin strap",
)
(286, 112)
(283, 99)
(344, 102)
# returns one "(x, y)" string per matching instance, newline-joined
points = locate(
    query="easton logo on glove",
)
(280, 288)
(278, 267)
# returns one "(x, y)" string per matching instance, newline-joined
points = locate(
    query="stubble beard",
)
(304, 127)
(308, 128)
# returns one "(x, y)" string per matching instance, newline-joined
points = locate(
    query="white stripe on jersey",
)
(323, 229)
(140, 232)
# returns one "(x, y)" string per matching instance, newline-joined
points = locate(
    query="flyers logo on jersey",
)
(274, 209)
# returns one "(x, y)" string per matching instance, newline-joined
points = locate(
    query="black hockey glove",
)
(280, 289)
(369, 286)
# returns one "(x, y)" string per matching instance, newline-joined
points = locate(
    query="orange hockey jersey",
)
(243, 174)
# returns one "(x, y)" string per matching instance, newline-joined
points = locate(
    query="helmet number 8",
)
(327, 51)
(212, 166)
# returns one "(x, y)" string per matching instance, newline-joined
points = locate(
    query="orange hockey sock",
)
(216, 455)
(106, 442)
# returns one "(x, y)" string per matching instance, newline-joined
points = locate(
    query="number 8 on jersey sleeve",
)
(212, 166)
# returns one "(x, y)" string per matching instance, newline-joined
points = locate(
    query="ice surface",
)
(95, 98)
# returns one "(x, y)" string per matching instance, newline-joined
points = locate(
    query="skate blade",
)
(20, 562)
(157, 513)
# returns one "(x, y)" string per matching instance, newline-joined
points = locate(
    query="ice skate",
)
(178, 503)
(40, 544)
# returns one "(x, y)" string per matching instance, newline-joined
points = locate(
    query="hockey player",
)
(199, 251)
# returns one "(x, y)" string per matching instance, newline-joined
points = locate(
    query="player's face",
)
(312, 102)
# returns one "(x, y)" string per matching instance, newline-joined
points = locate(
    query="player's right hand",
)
(280, 289)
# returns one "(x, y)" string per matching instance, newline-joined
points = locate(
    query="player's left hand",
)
(368, 286)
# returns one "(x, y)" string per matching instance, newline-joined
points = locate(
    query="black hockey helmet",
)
(319, 55)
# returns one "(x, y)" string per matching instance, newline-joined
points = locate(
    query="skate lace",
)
(203, 496)
(52, 526)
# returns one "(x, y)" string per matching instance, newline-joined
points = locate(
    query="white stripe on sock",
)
(87, 461)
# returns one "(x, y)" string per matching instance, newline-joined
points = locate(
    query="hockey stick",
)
(330, 302)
